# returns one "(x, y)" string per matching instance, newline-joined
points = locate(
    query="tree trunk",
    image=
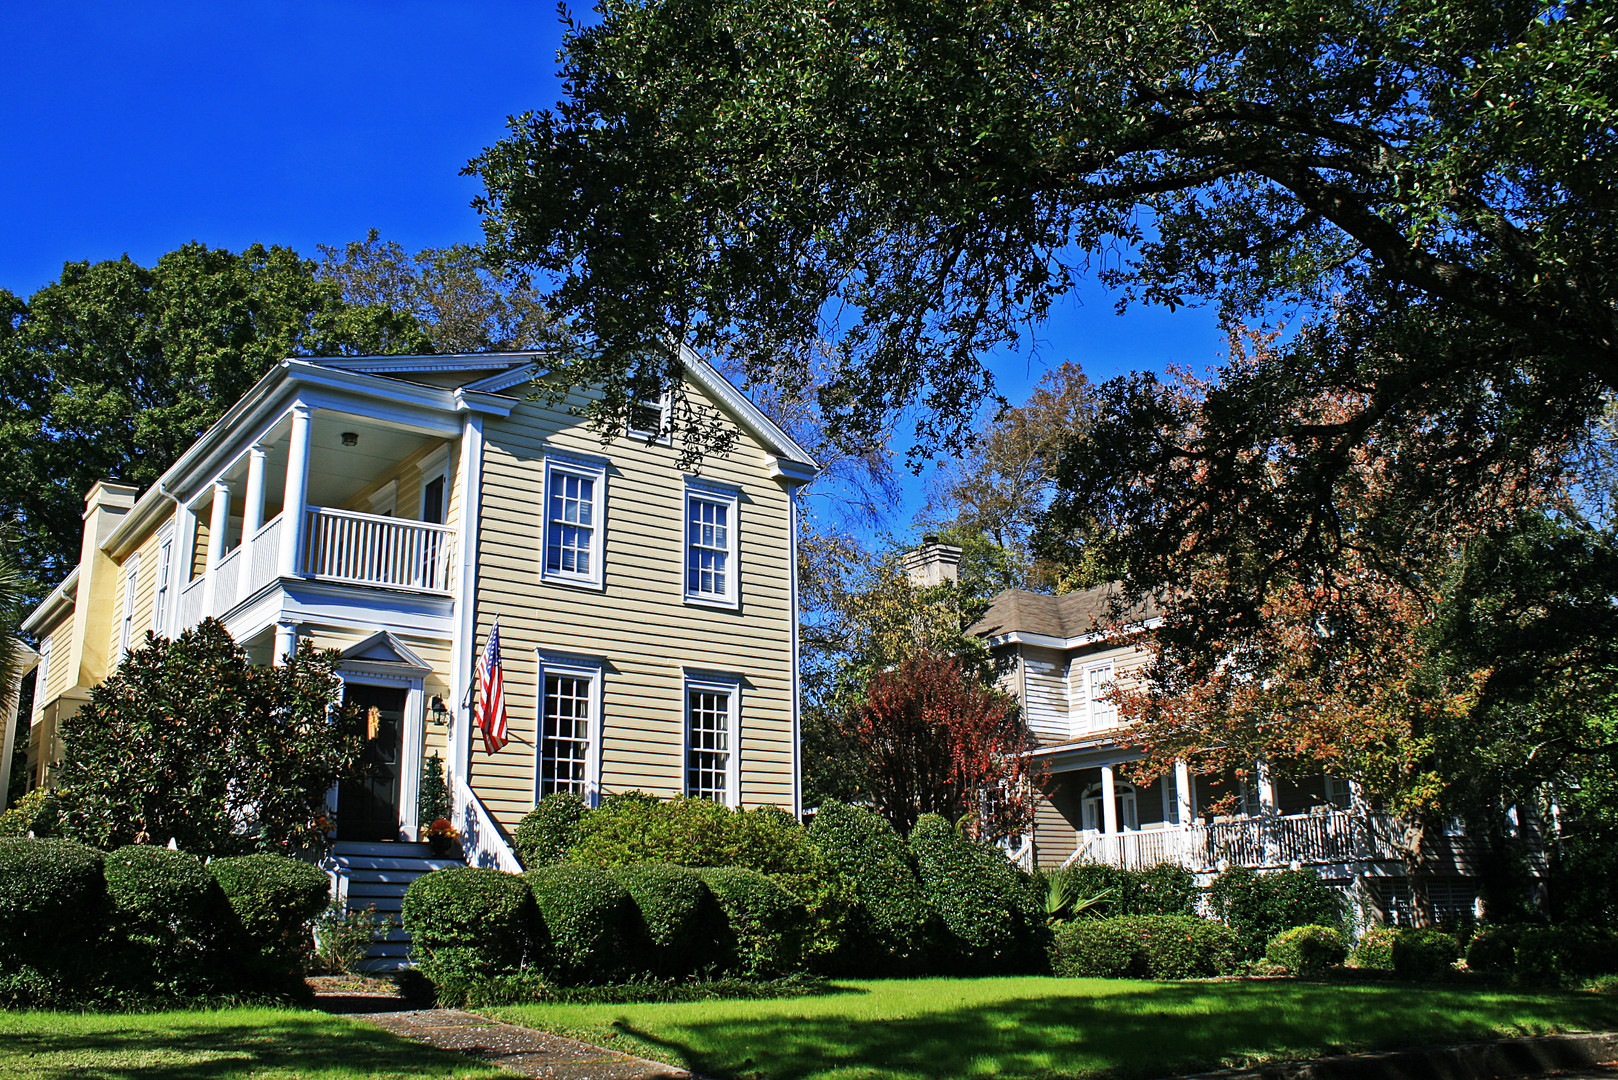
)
(1418, 869)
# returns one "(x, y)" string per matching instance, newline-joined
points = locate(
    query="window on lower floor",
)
(710, 741)
(566, 717)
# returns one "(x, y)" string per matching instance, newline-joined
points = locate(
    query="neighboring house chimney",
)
(933, 563)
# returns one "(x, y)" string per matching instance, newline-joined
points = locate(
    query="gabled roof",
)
(1061, 621)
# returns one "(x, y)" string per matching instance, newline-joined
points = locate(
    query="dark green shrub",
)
(681, 918)
(1159, 890)
(1424, 954)
(588, 924)
(53, 919)
(549, 829)
(36, 812)
(1144, 947)
(1307, 950)
(273, 903)
(1544, 956)
(432, 797)
(894, 926)
(1493, 950)
(171, 911)
(467, 925)
(765, 927)
(986, 904)
(1374, 951)
(1259, 906)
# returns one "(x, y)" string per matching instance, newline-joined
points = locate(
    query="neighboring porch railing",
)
(1306, 839)
(365, 549)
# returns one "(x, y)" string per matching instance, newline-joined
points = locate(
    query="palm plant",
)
(1065, 901)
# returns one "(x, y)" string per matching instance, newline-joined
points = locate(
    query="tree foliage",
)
(112, 371)
(187, 741)
(935, 740)
(917, 185)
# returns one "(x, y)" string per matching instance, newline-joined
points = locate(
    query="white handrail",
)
(481, 839)
(368, 549)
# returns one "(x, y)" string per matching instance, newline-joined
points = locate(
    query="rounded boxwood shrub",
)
(273, 903)
(170, 909)
(1143, 946)
(53, 918)
(679, 914)
(586, 925)
(1541, 956)
(1307, 950)
(1259, 906)
(1493, 950)
(1424, 954)
(549, 829)
(765, 928)
(893, 928)
(986, 904)
(1374, 950)
(471, 929)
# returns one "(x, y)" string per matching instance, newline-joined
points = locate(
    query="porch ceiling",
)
(336, 472)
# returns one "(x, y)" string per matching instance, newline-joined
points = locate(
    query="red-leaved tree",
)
(937, 741)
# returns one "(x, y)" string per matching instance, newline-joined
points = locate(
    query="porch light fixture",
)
(440, 713)
(351, 438)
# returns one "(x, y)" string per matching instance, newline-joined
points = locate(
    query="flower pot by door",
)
(368, 807)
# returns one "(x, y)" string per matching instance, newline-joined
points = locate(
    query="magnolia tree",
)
(187, 741)
(935, 740)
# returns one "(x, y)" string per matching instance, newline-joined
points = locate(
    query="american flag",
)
(492, 693)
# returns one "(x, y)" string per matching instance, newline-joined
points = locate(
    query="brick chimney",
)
(932, 563)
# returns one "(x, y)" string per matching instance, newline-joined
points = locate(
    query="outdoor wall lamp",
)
(440, 713)
(351, 438)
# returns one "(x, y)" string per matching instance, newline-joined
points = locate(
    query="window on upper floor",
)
(126, 629)
(1097, 710)
(711, 568)
(575, 523)
(160, 593)
(648, 418)
(711, 739)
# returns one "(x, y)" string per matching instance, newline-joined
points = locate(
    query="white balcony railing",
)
(266, 550)
(1306, 839)
(364, 549)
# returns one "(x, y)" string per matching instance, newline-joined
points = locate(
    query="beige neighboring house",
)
(394, 508)
(1060, 656)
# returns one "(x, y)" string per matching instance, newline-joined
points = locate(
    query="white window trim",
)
(578, 667)
(1091, 715)
(664, 435)
(434, 466)
(730, 498)
(163, 585)
(597, 474)
(126, 627)
(384, 501)
(42, 674)
(727, 684)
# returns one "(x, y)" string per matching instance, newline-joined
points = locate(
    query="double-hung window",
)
(711, 568)
(569, 727)
(711, 738)
(160, 593)
(1100, 713)
(575, 499)
(126, 631)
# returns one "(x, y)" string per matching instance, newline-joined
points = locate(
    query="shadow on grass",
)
(201, 1046)
(1154, 1031)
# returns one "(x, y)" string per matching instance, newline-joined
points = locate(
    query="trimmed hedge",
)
(549, 829)
(1542, 955)
(1424, 954)
(893, 928)
(1375, 949)
(986, 903)
(679, 915)
(586, 925)
(1158, 890)
(274, 901)
(172, 911)
(468, 924)
(1144, 947)
(1259, 906)
(765, 928)
(1307, 950)
(53, 922)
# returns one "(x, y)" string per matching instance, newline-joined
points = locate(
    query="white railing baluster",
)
(366, 549)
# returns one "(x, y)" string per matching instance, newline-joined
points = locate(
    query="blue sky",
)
(133, 128)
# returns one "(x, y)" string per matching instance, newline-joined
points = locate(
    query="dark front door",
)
(368, 808)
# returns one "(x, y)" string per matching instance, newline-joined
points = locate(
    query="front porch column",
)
(252, 518)
(1268, 804)
(286, 642)
(294, 506)
(1109, 801)
(1182, 793)
(218, 525)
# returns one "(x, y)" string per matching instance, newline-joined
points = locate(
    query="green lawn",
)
(1041, 1027)
(233, 1044)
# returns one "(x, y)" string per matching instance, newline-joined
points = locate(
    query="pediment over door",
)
(384, 654)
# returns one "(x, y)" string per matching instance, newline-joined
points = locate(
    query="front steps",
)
(377, 875)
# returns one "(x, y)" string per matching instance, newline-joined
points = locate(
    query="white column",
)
(1268, 804)
(218, 525)
(286, 642)
(294, 506)
(9, 711)
(1109, 801)
(1182, 793)
(252, 520)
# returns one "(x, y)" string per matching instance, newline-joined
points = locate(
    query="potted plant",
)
(440, 836)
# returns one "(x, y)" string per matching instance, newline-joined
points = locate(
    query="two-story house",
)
(394, 508)
(1061, 657)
